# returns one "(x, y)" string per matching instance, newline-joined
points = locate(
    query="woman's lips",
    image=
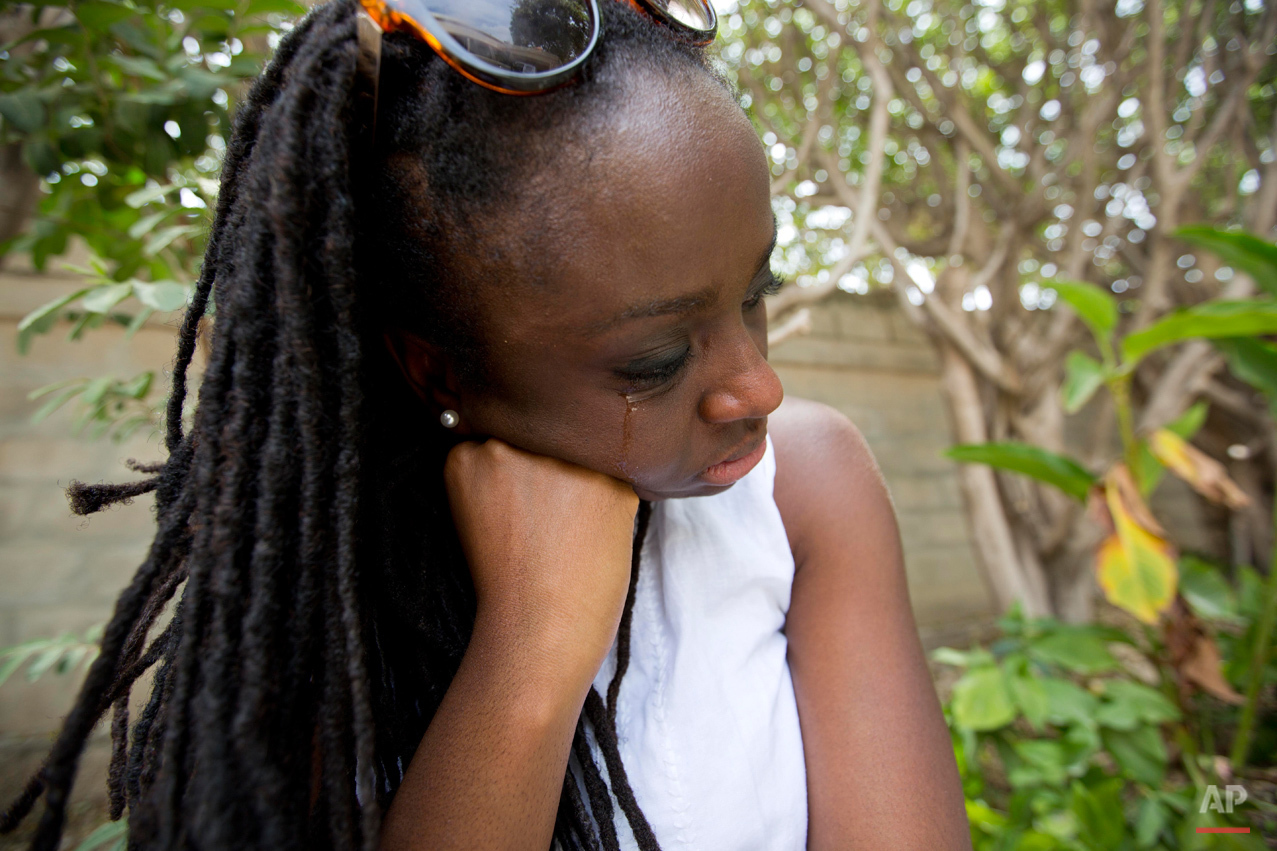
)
(730, 471)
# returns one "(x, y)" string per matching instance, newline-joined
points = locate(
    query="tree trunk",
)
(19, 189)
(1009, 577)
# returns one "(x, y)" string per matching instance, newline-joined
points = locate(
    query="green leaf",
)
(42, 157)
(97, 15)
(111, 831)
(13, 658)
(1032, 699)
(23, 109)
(68, 34)
(1152, 819)
(148, 195)
(984, 817)
(138, 321)
(162, 295)
(982, 701)
(40, 326)
(1254, 362)
(1100, 813)
(161, 239)
(1206, 590)
(165, 94)
(1093, 305)
(1081, 741)
(50, 388)
(102, 298)
(1141, 753)
(1075, 650)
(1243, 251)
(1250, 591)
(962, 658)
(138, 66)
(146, 224)
(71, 659)
(200, 84)
(1083, 375)
(208, 4)
(50, 308)
(1067, 703)
(139, 386)
(278, 7)
(54, 402)
(1209, 320)
(1044, 762)
(1147, 704)
(1147, 470)
(96, 389)
(42, 661)
(246, 64)
(1056, 470)
(130, 424)
(1116, 716)
(1190, 422)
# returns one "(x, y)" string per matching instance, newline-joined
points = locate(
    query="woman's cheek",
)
(659, 459)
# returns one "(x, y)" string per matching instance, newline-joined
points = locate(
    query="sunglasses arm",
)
(368, 66)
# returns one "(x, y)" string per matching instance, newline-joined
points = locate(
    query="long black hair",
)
(323, 603)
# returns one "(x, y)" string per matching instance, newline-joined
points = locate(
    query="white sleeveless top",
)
(706, 718)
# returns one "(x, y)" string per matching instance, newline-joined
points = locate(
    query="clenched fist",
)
(549, 545)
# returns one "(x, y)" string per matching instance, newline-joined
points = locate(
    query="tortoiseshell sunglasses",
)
(517, 47)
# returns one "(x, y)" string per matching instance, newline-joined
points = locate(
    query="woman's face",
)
(635, 340)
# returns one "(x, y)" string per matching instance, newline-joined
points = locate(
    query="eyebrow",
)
(679, 304)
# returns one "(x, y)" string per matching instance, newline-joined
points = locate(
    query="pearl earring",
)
(449, 418)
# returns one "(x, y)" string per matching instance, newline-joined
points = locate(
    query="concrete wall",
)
(59, 572)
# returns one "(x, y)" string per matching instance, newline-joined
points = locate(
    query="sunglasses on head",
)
(517, 47)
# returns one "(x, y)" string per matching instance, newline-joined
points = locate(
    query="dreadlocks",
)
(323, 600)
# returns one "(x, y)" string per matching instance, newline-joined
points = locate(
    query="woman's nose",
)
(748, 388)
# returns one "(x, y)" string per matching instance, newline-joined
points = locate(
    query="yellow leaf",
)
(1207, 476)
(1119, 480)
(1135, 566)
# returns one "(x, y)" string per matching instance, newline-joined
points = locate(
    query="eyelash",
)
(647, 379)
(665, 372)
(772, 287)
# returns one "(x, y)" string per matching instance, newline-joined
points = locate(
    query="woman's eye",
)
(647, 374)
(772, 287)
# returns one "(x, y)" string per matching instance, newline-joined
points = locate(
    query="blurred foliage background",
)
(1018, 175)
(114, 119)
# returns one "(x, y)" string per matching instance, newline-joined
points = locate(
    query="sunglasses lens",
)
(520, 36)
(689, 13)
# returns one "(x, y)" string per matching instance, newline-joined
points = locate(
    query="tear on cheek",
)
(627, 438)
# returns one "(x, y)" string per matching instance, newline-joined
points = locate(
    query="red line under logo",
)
(1223, 830)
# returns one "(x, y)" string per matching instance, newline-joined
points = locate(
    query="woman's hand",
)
(549, 545)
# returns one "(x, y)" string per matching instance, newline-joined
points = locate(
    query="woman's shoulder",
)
(816, 444)
(824, 468)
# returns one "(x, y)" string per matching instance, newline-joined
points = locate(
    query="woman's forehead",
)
(673, 200)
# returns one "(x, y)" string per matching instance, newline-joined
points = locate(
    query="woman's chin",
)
(693, 488)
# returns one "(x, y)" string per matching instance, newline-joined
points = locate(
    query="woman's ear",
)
(426, 369)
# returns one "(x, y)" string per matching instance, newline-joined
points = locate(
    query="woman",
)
(470, 349)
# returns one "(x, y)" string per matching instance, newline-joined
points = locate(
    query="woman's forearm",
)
(489, 771)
